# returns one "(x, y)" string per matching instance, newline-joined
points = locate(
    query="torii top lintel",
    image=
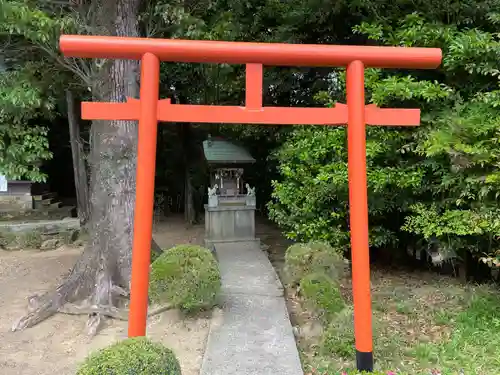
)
(255, 56)
(272, 54)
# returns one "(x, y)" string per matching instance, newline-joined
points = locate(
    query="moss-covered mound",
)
(135, 356)
(322, 295)
(313, 257)
(186, 277)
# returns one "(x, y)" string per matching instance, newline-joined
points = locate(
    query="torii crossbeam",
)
(149, 109)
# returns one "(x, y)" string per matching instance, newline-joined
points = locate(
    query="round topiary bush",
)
(187, 277)
(322, 294)
(135, 356)
(313, 257)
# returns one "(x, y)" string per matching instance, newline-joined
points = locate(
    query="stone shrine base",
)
(229, 222)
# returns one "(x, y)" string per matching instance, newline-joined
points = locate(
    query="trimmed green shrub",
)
(134, 356)
(322, 295)
(313, 257)
(187, 277)
(338, 338)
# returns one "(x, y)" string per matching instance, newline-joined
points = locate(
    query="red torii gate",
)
(149, 109)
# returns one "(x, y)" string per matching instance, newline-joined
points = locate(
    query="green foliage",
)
(23, 143)
(311, 199)
(29, 85)
(322, 294)
(302, 260)
(338, 339)
(438, 182)
(134, 356)
(186, 277)
(447, 167)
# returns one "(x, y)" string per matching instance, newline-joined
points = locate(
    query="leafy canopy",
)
(438, 182)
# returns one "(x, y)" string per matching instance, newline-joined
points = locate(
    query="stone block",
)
(229, 223)
(44, 235)
(42, 226)
(16, 202)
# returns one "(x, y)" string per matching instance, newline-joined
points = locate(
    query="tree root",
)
(97, 314)
(159, 309)
(43, 307)
(94, 324)
(107, 311)
(89, 280)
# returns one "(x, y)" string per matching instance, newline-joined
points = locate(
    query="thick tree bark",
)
(79, 168)
(189, 209)
(185, 135)
(102, 273)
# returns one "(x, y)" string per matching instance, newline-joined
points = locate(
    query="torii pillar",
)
(149, 110)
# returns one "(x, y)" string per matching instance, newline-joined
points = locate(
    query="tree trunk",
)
(79, 169)
(189, 209)
(102, 273)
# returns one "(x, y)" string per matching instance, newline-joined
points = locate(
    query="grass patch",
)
(338, 338)
(322, 295)
(422, 323)
(474, 343)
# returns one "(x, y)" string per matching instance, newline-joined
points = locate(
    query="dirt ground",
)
(58, 344)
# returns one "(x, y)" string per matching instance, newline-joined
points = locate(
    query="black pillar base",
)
(364, 361)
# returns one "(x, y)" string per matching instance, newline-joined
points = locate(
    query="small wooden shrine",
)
(230, 208)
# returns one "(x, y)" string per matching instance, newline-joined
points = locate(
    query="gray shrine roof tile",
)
(220, 151)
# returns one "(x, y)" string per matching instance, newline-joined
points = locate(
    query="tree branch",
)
(86, 79)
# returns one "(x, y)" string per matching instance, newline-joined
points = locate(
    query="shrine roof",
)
(220, 151)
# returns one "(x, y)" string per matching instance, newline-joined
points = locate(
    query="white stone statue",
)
(212, 191)
(250, 191)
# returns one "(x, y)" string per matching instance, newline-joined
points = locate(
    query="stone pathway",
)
(254, 335)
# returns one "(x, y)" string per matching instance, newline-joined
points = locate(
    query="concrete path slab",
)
(245, 268)
(254, 335)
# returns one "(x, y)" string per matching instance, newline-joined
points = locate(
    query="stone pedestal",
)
(250, 200)
(229, 223)
(213, 201)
